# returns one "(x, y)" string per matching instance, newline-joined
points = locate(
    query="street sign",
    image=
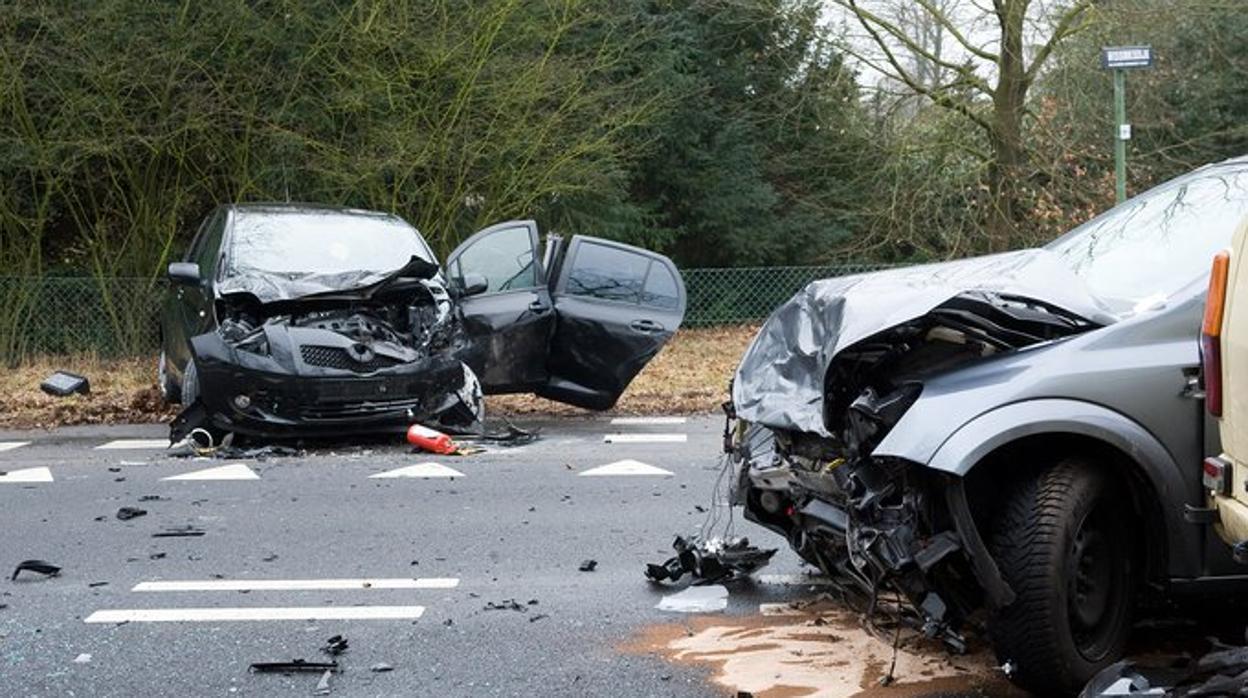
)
(1126, 57)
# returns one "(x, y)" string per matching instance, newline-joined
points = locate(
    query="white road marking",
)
(26, 475)
(420, 470)
(793, 580)
(10, 445)
(648, 420)
(298, 584)
(626, 467)
(133, 444)
(234, 471)
(193, 615)
(707, 599)
(645, 438)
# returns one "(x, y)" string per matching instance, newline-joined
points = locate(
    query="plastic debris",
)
(293, 666)
(504, 605)
(700, 599)
(187, 531)
(127, 513)
(380, 667)
(335, 645)
(42, 567)
(64, 384)
(713, 560)
(322, 686)
(588, 566)
(83, 658)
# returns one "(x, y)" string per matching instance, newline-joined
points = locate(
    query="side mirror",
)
(184, 273)
(474, 284)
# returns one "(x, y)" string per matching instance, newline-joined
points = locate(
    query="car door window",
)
(660, 290)
(505, 258)
(607, 273)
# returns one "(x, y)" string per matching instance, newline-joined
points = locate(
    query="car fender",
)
(969, 444)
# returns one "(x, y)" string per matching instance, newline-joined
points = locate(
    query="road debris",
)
(430, 440)
(537, 617)
(698, 599)
(380, 667)
(1222, 672)
(97, 584)
(504, 605)
(42, 567)
(588, 566)
(187, 531)
(322, 686)
(64, 384)
(127, 513)
(335, 645)
(293, 665)
(711, 560)
(83, 658)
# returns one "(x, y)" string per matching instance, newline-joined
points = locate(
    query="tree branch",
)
(949, 26)
(1066, 27)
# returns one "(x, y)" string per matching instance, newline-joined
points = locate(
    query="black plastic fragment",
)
(64, 384)
(40, 566)
(127, 513)
(504, 605)
(335, 645)
(180, 532)
(711, 560)
(588, 566)
(293, 665)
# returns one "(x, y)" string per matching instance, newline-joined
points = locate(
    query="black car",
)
(302, 319)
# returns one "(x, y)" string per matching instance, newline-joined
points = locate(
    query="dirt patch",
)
(828, 654)
(689, 376)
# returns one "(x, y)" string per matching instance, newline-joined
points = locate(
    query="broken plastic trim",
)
(710, 561)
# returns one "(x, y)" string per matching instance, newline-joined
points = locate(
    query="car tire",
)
(190, 384)
(1059, 543)
(169, 391)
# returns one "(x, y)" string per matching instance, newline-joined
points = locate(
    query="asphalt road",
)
(515, 526)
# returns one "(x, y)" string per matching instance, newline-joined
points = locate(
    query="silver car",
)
(1020, 434)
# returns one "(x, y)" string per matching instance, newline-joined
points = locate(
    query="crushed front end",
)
(820, 389)
(372, 359)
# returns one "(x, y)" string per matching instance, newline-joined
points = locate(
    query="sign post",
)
(1121, 59)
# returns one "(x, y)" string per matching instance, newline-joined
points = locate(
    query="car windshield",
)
(1144, 250)
(300, 242)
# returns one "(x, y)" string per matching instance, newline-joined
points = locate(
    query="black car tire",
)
(1062, 543)
(190, 384)
(169, 391)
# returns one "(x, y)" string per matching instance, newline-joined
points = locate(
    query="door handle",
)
(646, 326)
(538, 307)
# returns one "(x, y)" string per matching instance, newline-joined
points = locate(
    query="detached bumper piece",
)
(1223, 672)
(710, 561)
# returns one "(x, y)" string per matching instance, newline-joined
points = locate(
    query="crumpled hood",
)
(779, 382)
(269, 287)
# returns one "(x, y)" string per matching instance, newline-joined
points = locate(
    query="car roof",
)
(279, 207)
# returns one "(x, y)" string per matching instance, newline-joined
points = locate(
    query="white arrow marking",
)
(26, 475)
(298, 584)
(626, 467)
(420, 470)
(645, 438)
(10, 445)
(158, 615)
(234, 471)
(133, 444)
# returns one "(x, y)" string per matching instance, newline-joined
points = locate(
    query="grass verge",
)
(689, 376)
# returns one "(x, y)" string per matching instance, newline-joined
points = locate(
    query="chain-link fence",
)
(118, 316)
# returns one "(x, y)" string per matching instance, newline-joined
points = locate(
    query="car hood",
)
(779, 382)
(270, 287)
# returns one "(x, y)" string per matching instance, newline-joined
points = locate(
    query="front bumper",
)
(282, 396)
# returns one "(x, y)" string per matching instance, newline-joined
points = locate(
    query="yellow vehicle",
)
(1224, 352)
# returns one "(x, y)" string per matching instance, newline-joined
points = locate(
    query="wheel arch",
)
(1003, 443)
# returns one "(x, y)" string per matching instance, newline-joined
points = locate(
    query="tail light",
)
(1211, 333)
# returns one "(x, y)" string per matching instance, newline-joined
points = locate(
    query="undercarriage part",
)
(710, 561)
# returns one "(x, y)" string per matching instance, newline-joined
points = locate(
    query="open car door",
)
(616, 306)
(508, 324)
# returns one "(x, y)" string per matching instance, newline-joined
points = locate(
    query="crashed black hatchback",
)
(294, 319)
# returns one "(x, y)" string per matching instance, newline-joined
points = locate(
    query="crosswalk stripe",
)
(625, 467)
(26, 475)
(233, 471)
(638, 421)
(420, 470)
(133, 444)
(194, 615)
(10, 445)
(640, 438)
(298, 584)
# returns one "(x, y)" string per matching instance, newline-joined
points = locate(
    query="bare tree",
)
(996, 104)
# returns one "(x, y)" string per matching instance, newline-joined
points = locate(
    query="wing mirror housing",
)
(474, 284)
(184, 273)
